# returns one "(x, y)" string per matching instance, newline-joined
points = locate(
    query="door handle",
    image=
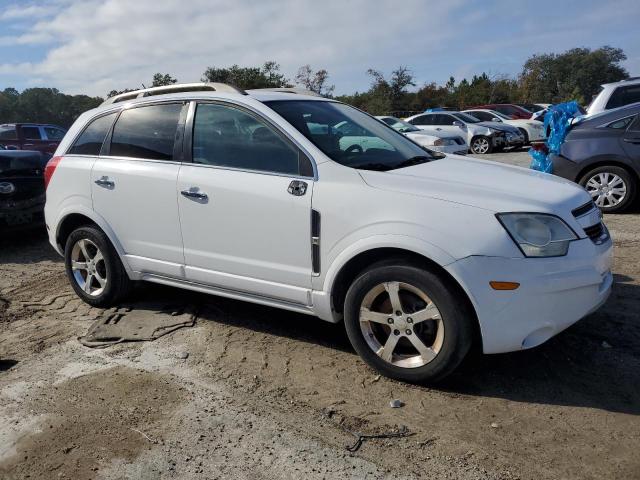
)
(194, 194)
(632, 140)
(297, 188)
(105, 182)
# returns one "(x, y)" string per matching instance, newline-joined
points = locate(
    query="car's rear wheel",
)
(525, 135)
(94, 268)
(481, 145)
(612, 188)
(407, 323)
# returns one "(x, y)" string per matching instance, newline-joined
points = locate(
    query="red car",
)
(31, 136)
(508, 109)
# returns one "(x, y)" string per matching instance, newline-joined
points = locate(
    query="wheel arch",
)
(350, 269)
(70, 220)
(608, 162)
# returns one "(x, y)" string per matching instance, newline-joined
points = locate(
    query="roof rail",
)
(298, 91)
(176, 88)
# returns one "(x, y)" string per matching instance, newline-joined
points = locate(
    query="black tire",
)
(481, 145)
(118, 284)
(454, 312)
(629, 180)
(526, 136)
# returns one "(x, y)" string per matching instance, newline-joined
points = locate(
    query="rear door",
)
(134, 186)
(245, 205)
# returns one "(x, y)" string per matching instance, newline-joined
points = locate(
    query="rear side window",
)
(620, 124)
(146, 132)
(90, 142)
(8, 133)
(229, 137)
(624, 96)
(55, 134)
(422, 120)
(31, 133)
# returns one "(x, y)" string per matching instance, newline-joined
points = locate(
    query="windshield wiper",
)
(417, 160)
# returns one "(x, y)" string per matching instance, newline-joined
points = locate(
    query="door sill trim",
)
(228, 293)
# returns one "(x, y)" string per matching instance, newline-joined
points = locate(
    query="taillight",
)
(49, 169)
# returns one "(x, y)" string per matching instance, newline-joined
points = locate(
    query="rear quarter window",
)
(8, 133)
(91, 139)
(146, 132)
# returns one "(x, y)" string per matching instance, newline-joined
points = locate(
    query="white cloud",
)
(97, 45)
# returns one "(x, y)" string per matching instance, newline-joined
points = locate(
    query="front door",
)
(134, 187)
(245, 206)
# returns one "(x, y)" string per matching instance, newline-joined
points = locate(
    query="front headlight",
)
(538, 234)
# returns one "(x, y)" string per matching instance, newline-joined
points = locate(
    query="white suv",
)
(251, 195)
(615, 95)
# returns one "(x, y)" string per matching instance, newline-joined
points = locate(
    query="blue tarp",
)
(557, 121)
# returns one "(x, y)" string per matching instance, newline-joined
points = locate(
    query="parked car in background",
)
(602, 153)
(482, 137)
(532, 107)
(615, 95)
(532, 131)
(431, 139)
(508, 109)
(231, 193)
(31, 136)
(22, 188)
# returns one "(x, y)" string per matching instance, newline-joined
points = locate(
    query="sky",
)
(94, 46)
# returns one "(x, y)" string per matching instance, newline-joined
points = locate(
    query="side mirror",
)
(458, 124)
(496, 119)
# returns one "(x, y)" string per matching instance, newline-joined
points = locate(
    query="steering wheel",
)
(354, 148)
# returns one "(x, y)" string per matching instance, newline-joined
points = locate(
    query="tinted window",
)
(31, 133)
(444, 119)
(8, 133)
(53, 133)
(146, 132)
(379, 147)
(484, 116)
(389, 120)
(620, 124)
(90, 142)
(422, 120)
(624, 96)
(636, 125)
(228, 137)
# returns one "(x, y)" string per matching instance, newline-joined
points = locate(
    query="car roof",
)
(628, 81)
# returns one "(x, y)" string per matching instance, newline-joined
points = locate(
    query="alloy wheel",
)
(88, 267)
(606, 189)
(401, 324)
(480, 145)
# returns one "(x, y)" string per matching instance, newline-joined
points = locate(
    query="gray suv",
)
(602, 153)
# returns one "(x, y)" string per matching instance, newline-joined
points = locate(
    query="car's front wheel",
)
(407, 323)
(94, 268)
(481, 145)
(612, 188)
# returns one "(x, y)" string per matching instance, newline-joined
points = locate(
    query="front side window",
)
(484, 116)
(229, 137)
(422, 120)
(463, 117)
(90, 142)
(379, 147)
(55, 134)
(146, 132)
(8, 133)
(31, 133)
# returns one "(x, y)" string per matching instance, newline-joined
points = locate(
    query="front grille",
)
(583, 209)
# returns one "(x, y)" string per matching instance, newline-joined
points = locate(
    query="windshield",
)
(400, 125)
(351, 137)
(500, 115)
(465, 117)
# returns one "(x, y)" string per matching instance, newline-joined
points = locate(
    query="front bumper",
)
(554, 293)
(22, 213)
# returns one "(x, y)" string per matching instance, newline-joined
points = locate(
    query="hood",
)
(499, 126)
(482, 184)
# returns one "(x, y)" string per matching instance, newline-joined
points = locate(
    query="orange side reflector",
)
(504, 285)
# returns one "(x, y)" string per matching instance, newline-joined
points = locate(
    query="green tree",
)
(314, 81)
(267, 76)
(575, 74)
(161, 80)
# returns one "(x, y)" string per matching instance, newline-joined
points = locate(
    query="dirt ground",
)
(252, 392)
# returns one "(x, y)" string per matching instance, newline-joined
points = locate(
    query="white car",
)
(481, 137)
(533, 131)
(250, 195)
(430, 139)
(614, 95)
